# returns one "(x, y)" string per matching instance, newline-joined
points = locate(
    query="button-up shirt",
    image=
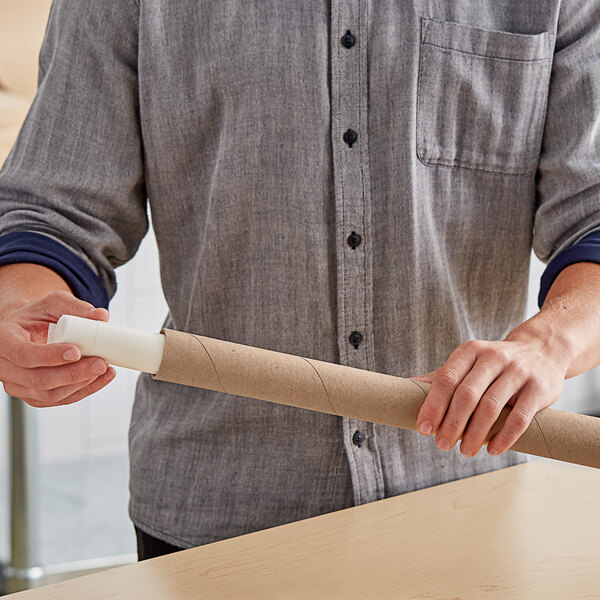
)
(355, 181)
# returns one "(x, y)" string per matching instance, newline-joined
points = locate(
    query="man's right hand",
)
(44, 374)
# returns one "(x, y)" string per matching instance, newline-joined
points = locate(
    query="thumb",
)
(425, 378)
(52, 306)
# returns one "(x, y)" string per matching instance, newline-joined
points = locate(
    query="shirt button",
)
(355, 338)
(358, 438)
(348, 40)
(354, 240)
(350, 137)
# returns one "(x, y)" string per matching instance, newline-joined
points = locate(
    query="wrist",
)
(22, 283)
(543, 334)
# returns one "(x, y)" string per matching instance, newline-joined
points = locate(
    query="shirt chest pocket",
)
(481, 97)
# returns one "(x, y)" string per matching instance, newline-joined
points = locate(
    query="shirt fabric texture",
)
(20, 247)
(475, 139)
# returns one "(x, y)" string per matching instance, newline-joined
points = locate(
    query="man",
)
(359, 182)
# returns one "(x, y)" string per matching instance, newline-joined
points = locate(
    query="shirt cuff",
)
(30, 247)
(586, 250)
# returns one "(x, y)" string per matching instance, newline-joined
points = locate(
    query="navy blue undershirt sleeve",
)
(586, 250)
(30, 247)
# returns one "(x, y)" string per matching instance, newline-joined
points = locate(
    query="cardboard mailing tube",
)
(339, 390)
(312, 384)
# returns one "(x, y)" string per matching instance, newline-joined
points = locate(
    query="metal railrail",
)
(24, 569)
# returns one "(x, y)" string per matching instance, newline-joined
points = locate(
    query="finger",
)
(43, 398)
(92, 388)
(464, 401)
(517, 421)
(48, 378)
(487, 412)
(22, 352)
(445, 381)
(60, 396)
(52, 306)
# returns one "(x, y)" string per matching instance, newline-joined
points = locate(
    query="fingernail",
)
(98, 367)
(71, 354)
(466, 452)
(444, 444)
(425, 427)
(493, 451)
(111, 372)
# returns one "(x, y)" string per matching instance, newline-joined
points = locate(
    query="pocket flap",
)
(485, 42)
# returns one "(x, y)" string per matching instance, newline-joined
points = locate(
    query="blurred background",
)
(82, 472)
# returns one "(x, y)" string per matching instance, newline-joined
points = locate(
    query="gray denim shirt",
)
(475, 138)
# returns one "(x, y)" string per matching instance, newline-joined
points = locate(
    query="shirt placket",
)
(349, 92)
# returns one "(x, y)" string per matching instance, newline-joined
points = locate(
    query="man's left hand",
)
(479, 379)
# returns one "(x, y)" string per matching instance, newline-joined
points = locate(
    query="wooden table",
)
(526, 532)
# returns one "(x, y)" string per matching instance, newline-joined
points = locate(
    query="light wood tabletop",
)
(527, 532)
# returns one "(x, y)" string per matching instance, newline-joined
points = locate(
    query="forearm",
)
(21, 283)
(568, 325)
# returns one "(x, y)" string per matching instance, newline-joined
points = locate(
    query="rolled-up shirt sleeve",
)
(585, 250)
(75, 174)
(39, 249)
(568, 182)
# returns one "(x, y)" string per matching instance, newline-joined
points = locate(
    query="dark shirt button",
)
(350, 137)
(348, 40)
(358, 438)
(355, 338)
(354, 240)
